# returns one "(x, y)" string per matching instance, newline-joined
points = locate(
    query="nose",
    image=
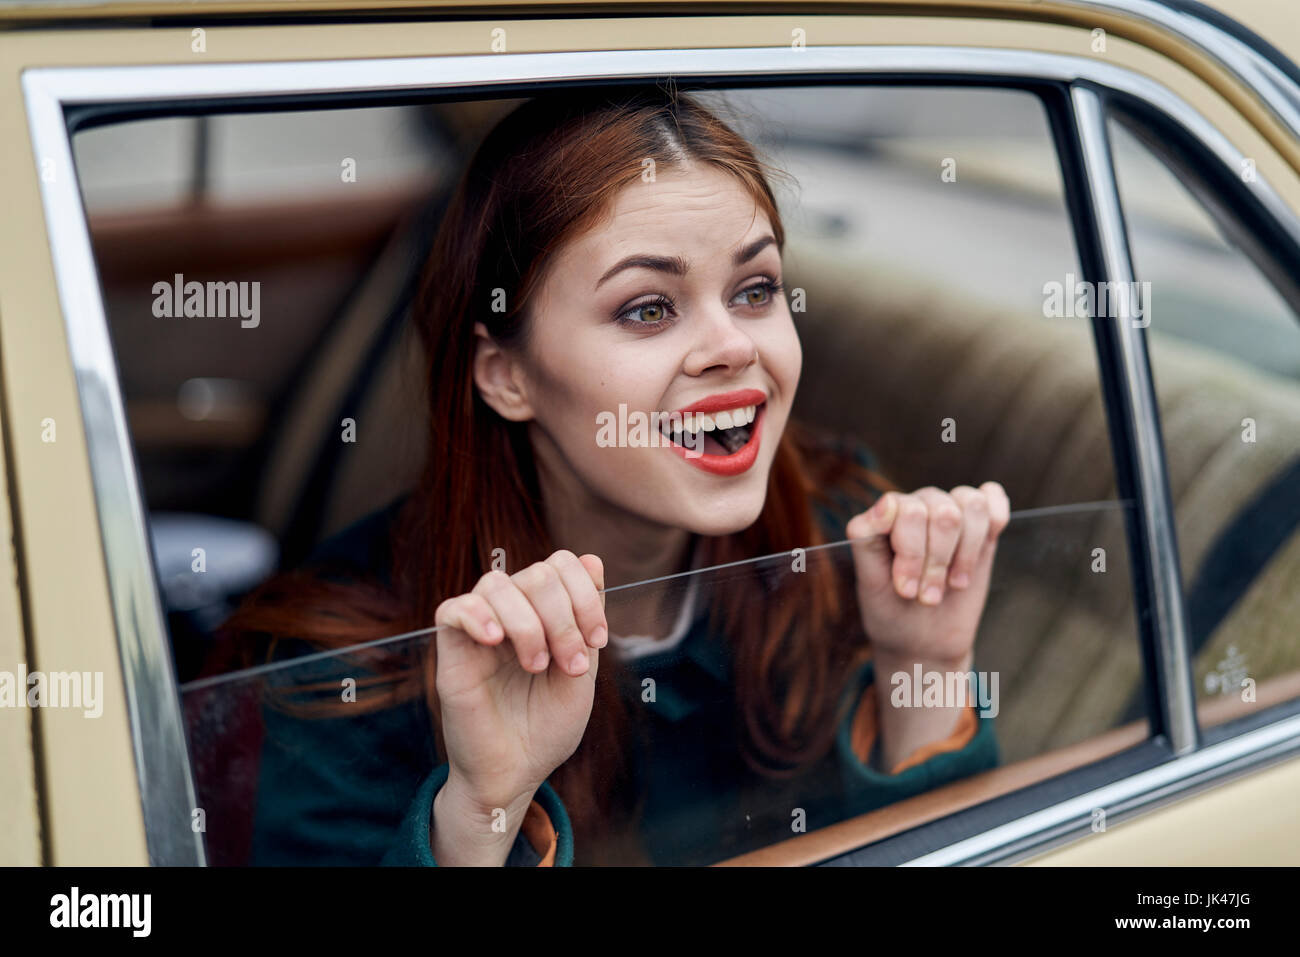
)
(721, 345)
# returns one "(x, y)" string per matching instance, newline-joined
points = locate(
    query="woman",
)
(607, 252)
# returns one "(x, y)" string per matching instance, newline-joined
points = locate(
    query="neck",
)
(632, 548)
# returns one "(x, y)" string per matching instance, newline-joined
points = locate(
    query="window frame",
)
(1243, 217)
(62, 100)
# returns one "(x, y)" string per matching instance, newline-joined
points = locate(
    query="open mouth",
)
(713, 433)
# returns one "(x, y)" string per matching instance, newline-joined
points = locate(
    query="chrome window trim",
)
(1172, 659)
(1248, 62)
(1178, 778)
(1242, 60)
(158, 734)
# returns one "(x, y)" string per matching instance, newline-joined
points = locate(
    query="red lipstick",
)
(725, 401)
(742, 460)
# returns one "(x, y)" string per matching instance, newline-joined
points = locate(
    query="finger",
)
(521, 623)
(975, 529)
(869, 532)
(473, 615)
(943, 532)
(999, 509)
(542, 584)
(907, 538)
(588, 610)
(596, 569)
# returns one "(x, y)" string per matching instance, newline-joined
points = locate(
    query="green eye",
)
(759, 294)
(653, 313)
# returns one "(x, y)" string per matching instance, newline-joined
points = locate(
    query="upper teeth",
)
(694, 422)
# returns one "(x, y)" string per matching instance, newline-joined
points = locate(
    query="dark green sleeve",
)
(358, 790)
(866, 789)
(411, 846)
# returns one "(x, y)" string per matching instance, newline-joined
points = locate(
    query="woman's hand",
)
(516, 677)
(923, 564)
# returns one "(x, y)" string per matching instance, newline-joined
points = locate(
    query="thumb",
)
(596, 569)
(869, 531)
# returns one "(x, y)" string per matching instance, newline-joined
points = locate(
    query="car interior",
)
(236, 437)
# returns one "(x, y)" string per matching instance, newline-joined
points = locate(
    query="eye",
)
(653, 313)
(759, 294)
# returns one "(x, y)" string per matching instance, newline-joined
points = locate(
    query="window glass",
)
(931, 348)
(282, 748)
(268, 157)
(1225, 356)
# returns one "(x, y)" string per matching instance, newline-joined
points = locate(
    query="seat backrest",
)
(353, 435)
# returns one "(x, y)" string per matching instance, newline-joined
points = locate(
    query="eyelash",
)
(773, 287)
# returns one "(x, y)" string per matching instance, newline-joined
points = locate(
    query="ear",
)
(499, 378)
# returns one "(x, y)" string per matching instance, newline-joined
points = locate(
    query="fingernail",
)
(494, 630)
(910, 587)
(932, 595)
(600, 636)
(578, 666)
(960, 580)
(541, 661)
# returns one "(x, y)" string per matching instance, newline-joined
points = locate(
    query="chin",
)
(725, 519)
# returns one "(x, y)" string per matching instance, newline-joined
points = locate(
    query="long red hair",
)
(542, 175)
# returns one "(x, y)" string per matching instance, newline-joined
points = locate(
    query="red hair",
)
(543, 175)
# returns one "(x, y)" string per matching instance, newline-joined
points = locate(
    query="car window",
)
(929, 268)
(1225, 357)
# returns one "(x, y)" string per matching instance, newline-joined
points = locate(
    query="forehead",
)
(694, 206)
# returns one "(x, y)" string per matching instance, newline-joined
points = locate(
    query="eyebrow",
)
(677, 265)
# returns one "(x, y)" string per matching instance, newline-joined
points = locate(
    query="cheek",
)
(572, 386)
(567, 401)
(783, 355)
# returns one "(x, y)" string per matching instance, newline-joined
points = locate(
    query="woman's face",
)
(671, 305)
